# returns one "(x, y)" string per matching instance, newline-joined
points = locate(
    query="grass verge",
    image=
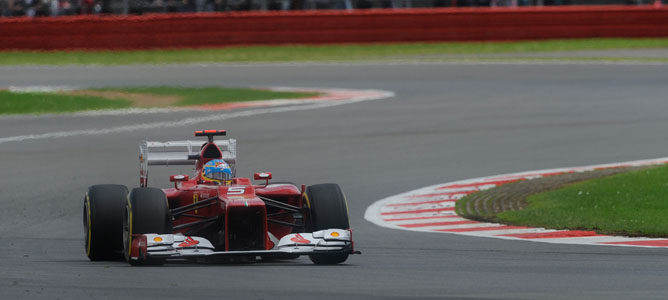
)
(293, 53)
(633, 203)
(37, 103)
(12, 102)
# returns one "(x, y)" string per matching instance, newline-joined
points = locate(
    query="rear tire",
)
(146, 211)
(328, 210)
(103, 211)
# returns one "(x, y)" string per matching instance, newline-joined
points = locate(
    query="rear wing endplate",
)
(179, 153)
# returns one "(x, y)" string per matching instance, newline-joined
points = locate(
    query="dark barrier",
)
(319, 27)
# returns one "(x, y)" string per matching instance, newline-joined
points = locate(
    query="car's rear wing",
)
(179, 153)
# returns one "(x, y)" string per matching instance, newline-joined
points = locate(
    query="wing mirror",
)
(262, 176)
(178, 178)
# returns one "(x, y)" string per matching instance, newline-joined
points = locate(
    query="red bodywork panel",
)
(233, 216)
(240, 197)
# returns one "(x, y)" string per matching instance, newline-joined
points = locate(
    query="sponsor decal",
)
(195, 199)
(189, 242)
(299, 239)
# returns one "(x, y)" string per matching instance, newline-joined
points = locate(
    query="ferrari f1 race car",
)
(214, 216)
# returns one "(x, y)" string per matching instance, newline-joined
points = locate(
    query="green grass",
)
(37, 103)
(634, 203)
(44, 102)
(212, 95)
(291, 53)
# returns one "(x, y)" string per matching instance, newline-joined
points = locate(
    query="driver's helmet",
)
(216, 170)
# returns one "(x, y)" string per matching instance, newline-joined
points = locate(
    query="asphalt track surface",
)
(447, 122)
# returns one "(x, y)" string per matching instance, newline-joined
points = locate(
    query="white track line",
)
(333, 97)
(395, 211)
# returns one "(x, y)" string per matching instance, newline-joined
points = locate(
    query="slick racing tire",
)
(328, 209)
(103, 211)
(146, 211)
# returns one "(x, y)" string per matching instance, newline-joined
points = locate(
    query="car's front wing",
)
(146, 247)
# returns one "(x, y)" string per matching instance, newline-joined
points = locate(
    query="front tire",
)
(103, 211)
(328, 209)
(146, 211)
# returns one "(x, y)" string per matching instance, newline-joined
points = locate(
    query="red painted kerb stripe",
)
(422, 218)
(477, 184)
(551, 235)
(487, 228)
(418, 211)
(655, 243)
(439, 224)
(443, 194)
(420, 203)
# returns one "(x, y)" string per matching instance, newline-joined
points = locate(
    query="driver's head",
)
(217, 171)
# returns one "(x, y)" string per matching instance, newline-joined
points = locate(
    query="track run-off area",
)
(446, 122)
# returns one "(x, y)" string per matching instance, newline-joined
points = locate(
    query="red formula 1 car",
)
(214, 216)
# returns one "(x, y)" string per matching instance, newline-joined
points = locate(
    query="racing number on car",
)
(236, 190)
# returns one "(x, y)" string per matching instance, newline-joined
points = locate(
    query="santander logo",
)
(300, 239)
(189, 242)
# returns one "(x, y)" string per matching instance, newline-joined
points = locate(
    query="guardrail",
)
(323, 27)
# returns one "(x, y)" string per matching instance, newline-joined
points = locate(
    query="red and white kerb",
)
(432, 209)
